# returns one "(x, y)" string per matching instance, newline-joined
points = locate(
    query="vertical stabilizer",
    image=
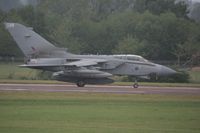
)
(31, 43)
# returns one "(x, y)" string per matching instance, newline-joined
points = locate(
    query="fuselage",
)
(133, 65)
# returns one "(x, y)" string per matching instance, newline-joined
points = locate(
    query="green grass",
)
(195, 76)
(13, 71)
(22, 112)
(15, 81)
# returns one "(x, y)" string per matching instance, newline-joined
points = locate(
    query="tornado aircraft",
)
(80, 69)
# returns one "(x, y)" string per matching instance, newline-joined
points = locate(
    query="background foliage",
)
(158, 30)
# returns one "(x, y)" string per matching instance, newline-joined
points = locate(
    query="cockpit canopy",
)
(131, 57)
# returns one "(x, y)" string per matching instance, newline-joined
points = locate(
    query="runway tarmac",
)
(99, 89)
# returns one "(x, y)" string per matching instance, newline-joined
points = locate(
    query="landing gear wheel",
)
(135, 85)
(80, 83)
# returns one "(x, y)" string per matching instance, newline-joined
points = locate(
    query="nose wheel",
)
(135, 85)
(80, 83)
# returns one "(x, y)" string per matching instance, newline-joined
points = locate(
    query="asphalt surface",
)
(99, 89)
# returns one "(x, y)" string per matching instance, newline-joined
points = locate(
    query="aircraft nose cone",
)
(166, 71)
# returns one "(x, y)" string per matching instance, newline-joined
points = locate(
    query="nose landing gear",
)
(135, 85)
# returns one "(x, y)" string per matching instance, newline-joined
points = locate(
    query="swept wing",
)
(49, 63)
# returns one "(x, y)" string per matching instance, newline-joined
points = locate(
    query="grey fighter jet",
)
(80, 69)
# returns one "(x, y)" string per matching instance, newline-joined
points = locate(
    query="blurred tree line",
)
(155, 29)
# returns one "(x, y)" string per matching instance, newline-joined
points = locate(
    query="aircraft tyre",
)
(80, 83)
(135, 85)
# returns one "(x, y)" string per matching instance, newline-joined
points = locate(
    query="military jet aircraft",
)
(80, 69)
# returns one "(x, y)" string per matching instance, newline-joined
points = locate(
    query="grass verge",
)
(22, 112)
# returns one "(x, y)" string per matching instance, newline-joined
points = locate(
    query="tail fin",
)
(31, 43)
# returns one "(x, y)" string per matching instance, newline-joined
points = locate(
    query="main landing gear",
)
(80, 83)
(135, 85)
